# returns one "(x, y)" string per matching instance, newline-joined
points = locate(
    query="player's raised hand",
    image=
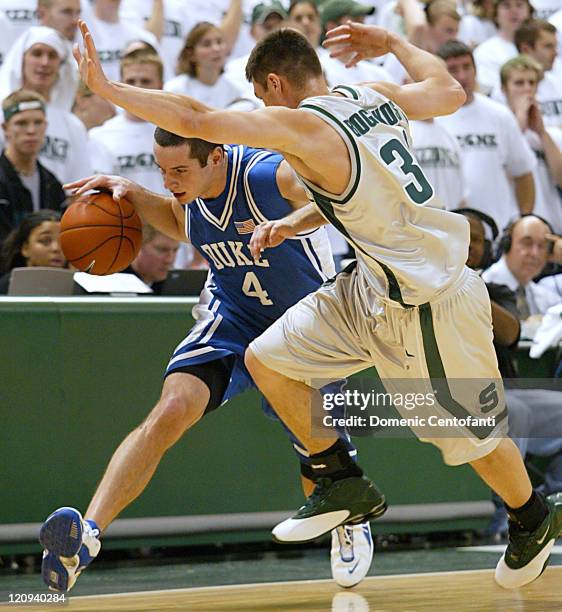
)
(268, 235)
(556, 254)
(88, 61)
(353, 42)
(118, 186)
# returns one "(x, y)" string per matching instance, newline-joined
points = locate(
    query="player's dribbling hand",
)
(118, 186)
(88, 61)
(268, 235)
(353, 42)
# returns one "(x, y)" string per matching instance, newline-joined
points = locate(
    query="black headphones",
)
(487, 256)
(504, 245)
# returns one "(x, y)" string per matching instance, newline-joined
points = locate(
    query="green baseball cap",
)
(264, 9)
(332, 10)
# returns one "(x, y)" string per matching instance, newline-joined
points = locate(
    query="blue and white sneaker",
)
(351, 554)
(70, 544)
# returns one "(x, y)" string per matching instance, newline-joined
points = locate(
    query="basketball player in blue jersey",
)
(219, 195)
(409, 307)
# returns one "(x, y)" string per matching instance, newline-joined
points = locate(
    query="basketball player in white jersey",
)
(409, 306)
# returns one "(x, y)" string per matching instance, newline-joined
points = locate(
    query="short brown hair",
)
(186, 65)
(520, 62)
(198, 149)
(530, 31)
(142, 57)
(455, 48)
(312, 3)
(498, 2)
(441, 8)
(285, 52)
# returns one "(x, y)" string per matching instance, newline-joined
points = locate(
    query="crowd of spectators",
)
(499, 154)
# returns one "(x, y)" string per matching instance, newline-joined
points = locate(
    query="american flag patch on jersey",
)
(245, 227)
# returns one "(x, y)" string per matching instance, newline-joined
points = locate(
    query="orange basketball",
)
(99, 235)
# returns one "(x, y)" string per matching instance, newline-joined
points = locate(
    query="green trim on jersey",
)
(347, 88)
(349, 136)
(394, 292)
(438, 379)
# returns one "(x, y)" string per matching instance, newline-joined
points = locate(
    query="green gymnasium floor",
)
(153, 572)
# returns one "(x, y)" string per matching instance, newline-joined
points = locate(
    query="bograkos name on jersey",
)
(365, 119)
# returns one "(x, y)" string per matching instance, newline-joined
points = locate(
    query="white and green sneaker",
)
(528, 552)
(332, 503)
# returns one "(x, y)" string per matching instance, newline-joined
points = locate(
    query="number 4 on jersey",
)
(252, 288)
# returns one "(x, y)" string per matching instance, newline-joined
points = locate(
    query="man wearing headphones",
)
(535, 418)
(525, 249)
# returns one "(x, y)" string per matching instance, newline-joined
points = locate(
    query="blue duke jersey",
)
(255, 292)
(243, 297)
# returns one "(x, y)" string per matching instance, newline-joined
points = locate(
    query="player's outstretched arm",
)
(275, 128)
(272, 233)
(435, 92)
(162, 212)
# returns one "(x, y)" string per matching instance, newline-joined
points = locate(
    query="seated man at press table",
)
(535, 415)
(155, 259)
(525, 247)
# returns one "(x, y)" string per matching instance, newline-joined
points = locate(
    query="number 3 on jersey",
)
(419, 189)
(252, 288)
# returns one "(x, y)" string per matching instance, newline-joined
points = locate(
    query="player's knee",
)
(171, 417)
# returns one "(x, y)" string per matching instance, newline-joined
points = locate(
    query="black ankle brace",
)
(334, 463)
(531, 514)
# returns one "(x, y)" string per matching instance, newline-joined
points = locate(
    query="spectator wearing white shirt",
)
(520, 77)
(478, 25)
(129, 139)
(201, 68)
(494, 52)
(112, 34)
(544, 9)
(233, 17)
(335, 13)
(439, 156)
(50, 65)
(39, 62)
(266, 17)
(22, 14)
(9, 35)
(428, 29)
(537, 39)
(496, 159)
(61, 15)
(525, 251)
(169, 20)
(90, 108)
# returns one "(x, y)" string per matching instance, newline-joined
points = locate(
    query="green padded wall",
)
(78, 374)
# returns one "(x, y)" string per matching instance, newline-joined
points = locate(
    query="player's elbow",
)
(453, 98)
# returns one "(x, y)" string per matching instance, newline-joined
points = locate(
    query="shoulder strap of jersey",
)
(252, 204)
(347, 91)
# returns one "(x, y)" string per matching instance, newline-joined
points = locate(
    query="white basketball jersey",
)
(408, 248)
